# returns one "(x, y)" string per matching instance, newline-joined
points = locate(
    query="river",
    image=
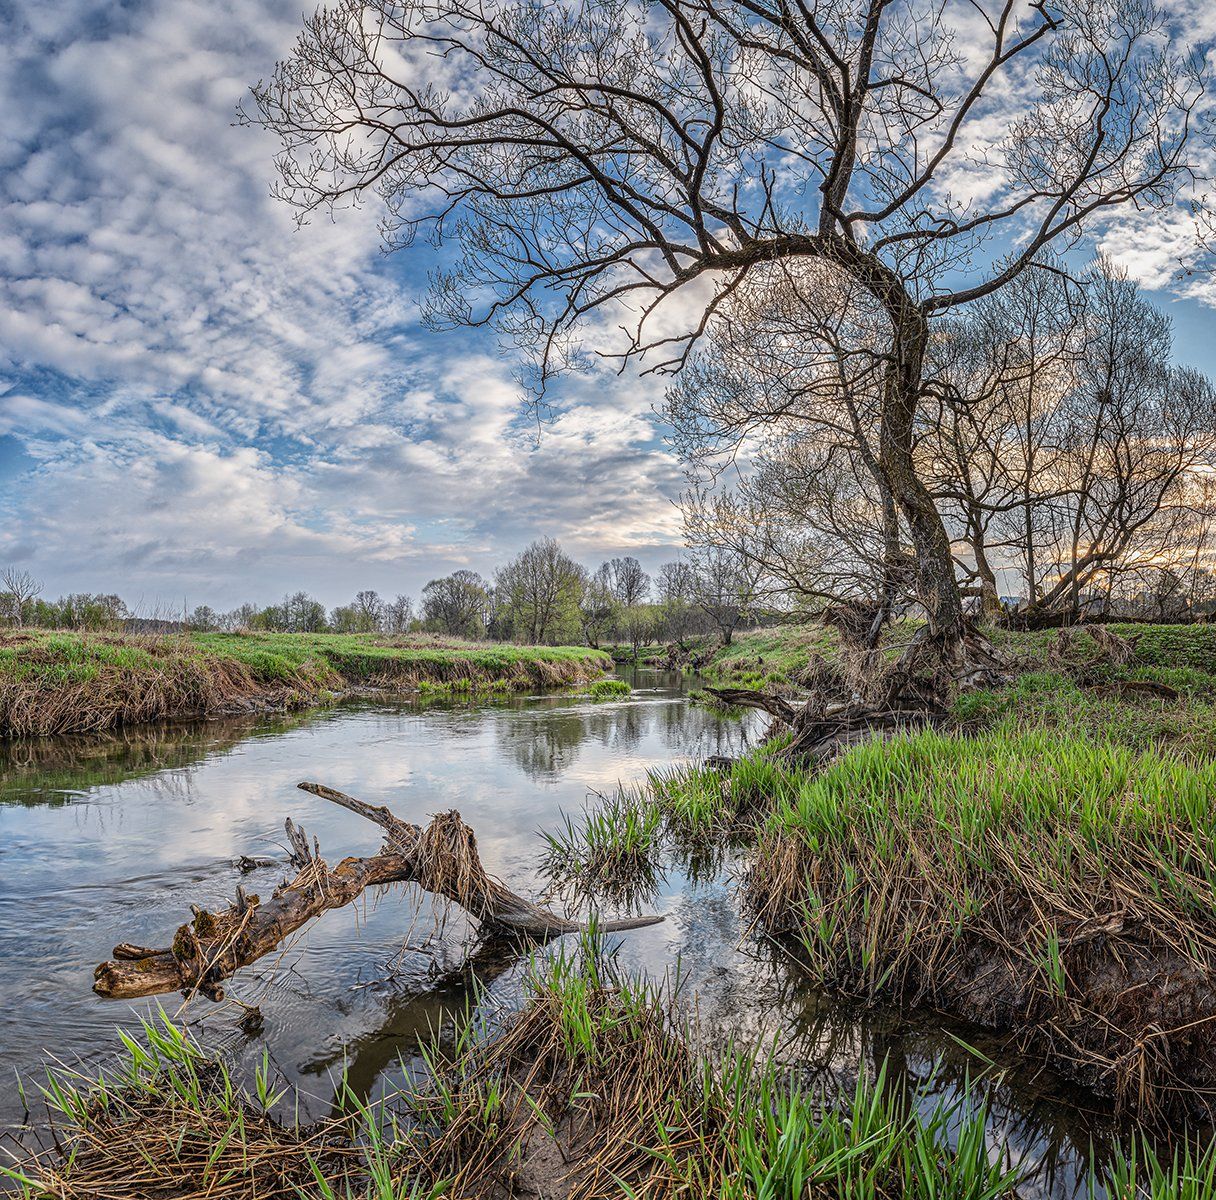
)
(103, 841)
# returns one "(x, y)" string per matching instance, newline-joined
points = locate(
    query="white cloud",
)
(219, 404)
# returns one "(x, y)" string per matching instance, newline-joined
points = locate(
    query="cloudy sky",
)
(199, 403)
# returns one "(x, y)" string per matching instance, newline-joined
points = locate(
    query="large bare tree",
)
(604, 157)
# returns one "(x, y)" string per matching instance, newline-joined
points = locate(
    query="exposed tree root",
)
(886, 697)
(441, 859)
(775, 706)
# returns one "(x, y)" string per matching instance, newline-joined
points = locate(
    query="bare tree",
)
(398, 614)
(629, 583)
(1132, 433)
(725, 587)
(989, 447)
(606, 156)
(21, 589)
(786, 394)
(599, 608)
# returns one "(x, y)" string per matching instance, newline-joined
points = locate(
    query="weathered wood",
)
(441, 859)
(775, 706)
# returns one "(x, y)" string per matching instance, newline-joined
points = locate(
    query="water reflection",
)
(105, 841)
(58, 770)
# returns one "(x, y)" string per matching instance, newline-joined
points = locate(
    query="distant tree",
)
(365, 614)
(639, 624)
(89, 610)
(20, 590)
(678, 617)
(371, 610)
(630, 584)
(243, 617)
(346, 618)
(204, 619)
(298, 613)
(726, 587)
(599, 609)
(398, 614)
(456, 604)
(540, 592)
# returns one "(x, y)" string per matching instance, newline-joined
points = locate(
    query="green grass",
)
(609, 689)
(1050, 699)
(71, 682)
(1191, 646)
(777, 656)
(1034, 877)
(595, 1073)
(765, 657)
(913, 864)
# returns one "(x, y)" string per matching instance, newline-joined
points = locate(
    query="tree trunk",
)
(937, 588)
(990, 600)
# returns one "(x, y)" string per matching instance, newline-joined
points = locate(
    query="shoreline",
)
(71, 683)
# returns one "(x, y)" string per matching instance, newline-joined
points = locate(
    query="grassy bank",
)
(85, 683)
(778, 656)
(1043, 865)
(591, 1092)
(1053, 887)
(1058, 888)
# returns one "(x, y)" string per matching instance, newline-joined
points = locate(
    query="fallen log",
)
(441, 859)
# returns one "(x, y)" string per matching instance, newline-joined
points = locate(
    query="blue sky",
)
(199, 403)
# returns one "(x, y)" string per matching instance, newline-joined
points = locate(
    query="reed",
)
(595, 1090)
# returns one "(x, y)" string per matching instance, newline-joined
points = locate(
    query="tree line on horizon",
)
(542, 596)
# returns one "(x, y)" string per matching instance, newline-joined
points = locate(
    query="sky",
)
(201, 403)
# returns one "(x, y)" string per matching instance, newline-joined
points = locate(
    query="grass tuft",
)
(608, 689)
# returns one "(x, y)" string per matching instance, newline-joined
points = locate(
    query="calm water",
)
(102, 842)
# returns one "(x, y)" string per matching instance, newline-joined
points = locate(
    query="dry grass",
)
(594, 1091)
(171, 1123)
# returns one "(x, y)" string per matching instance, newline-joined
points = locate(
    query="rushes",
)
(610, 852)
(171, 1122)
(596, 1067)
(615, 849)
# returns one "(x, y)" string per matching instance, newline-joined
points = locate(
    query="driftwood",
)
(441, 859)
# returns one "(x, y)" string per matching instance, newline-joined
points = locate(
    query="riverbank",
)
(593, 1090)
(55, 682)
(1040, 865)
